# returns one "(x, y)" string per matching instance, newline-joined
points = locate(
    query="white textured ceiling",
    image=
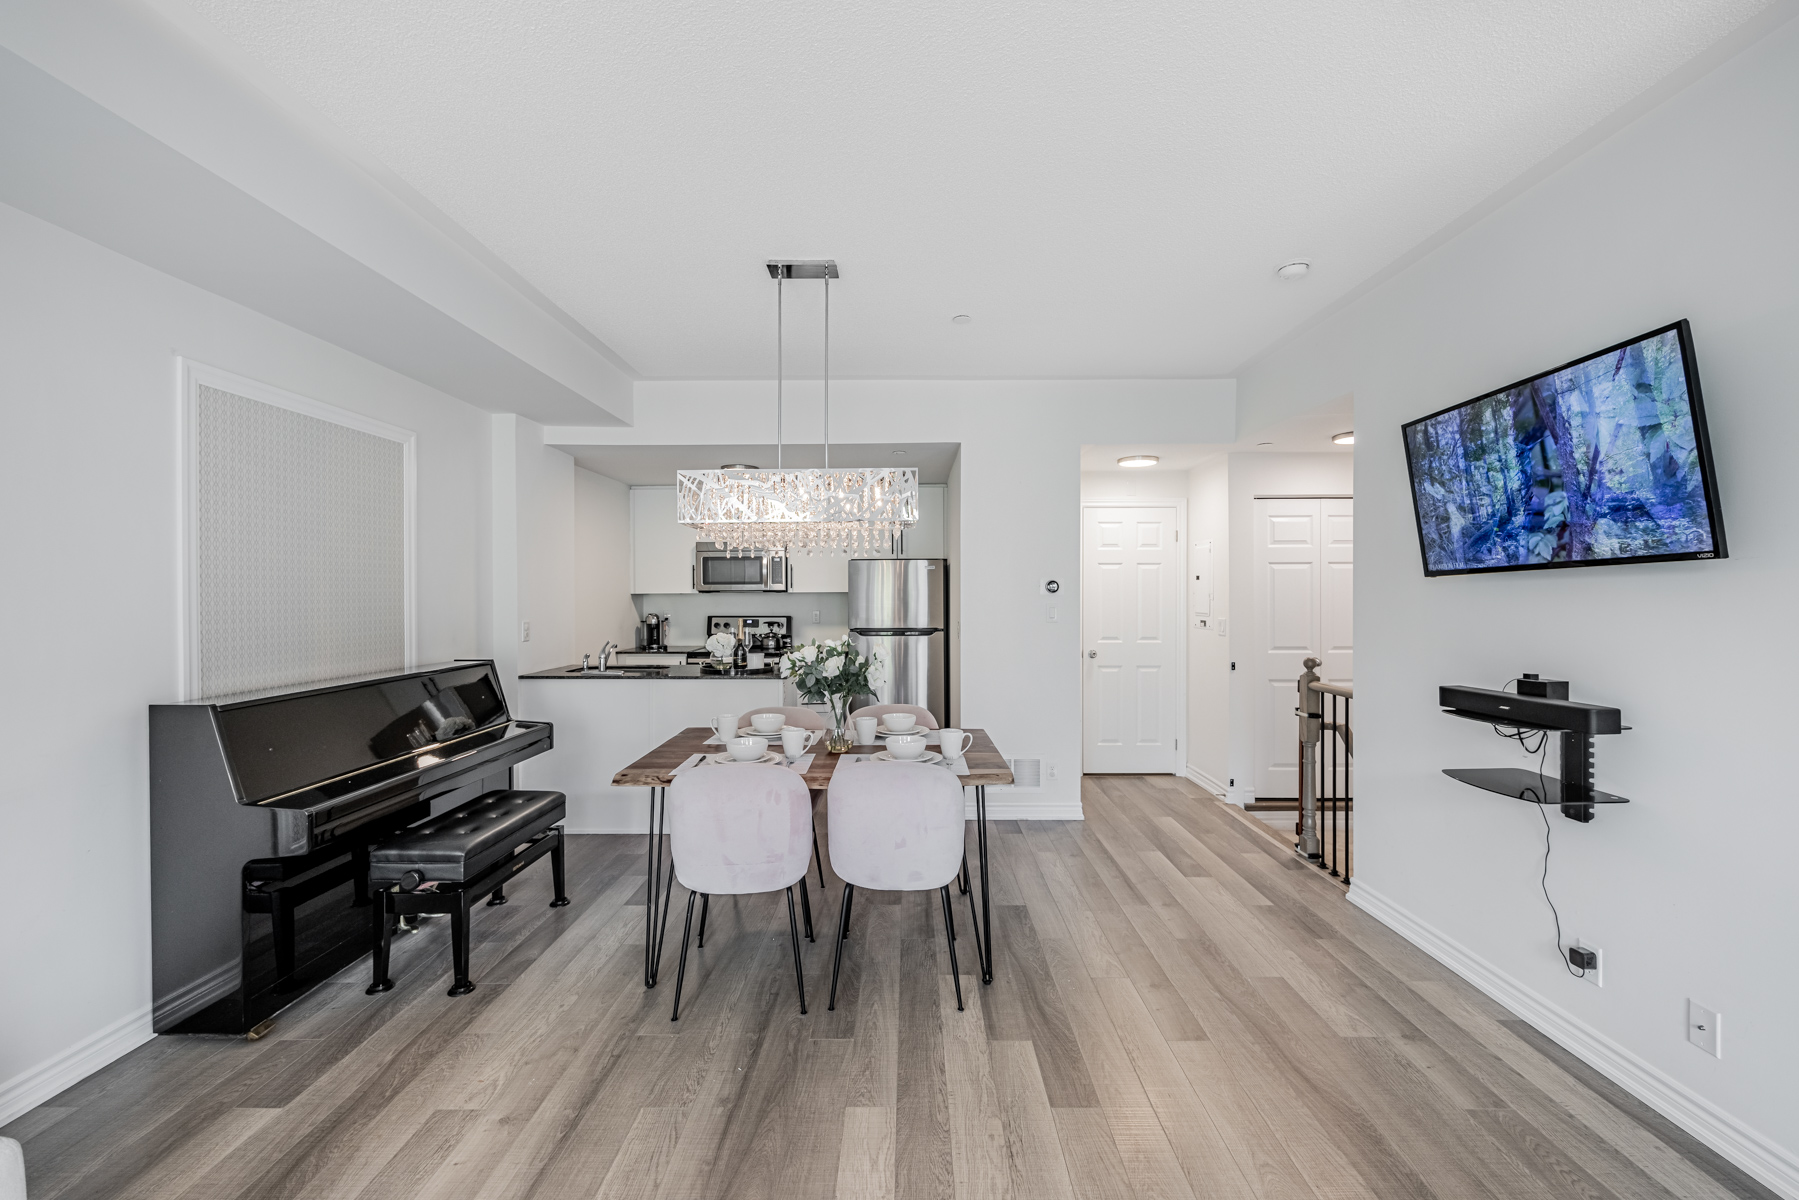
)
(1105, 188)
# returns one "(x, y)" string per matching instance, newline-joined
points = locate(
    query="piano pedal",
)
(257, 1033)
(409, 924)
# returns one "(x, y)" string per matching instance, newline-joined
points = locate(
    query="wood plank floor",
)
(1181, 1010)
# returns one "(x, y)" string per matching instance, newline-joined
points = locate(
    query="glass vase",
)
(842, 735)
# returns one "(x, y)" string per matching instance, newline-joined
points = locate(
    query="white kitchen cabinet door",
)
(820, 572)
(661, 547)
(925, 539)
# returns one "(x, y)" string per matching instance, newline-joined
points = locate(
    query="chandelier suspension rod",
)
(827, 372)
(780, 374)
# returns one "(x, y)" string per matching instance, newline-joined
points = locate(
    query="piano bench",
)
(445, 864)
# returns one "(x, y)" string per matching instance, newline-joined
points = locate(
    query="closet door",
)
(1304, 562)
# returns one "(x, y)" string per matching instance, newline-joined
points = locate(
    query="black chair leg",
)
(793, 928)
(962, 879)
(459, 946)
(681, 971)
(498, 897)
(816, 856)
(806, 908)
(949, 925)
(843, 925)
(383, 943)
(843, 920)
(705, 907)
(559, 873)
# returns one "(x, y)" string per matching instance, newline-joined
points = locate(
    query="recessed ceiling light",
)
(961, 319)
(1293, 270)
(1138, 460)
(739, 467)
(1346, 438)
(899, 454)
(1264, 443)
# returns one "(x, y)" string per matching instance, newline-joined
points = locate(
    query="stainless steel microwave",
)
(741, 571)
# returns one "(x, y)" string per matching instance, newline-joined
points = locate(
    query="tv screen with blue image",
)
(1603, 460)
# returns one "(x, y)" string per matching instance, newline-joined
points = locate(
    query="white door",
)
(1304, 560)
(1130, 640)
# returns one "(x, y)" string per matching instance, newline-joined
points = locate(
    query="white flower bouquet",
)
(834, 673)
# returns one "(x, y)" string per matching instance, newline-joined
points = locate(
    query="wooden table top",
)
(986, 766)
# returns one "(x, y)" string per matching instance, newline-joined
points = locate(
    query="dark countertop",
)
(691, 671)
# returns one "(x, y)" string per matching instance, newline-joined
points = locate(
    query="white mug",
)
(954, 737)
(907, 746)
(725, 726)
(747, 749)
(767, 724)
(755, 662)
(796, 741)
(865, 730)
(899, 722)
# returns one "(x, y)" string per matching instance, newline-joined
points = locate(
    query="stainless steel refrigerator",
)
(899, 607)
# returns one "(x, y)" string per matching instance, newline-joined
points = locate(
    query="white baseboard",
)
(31, 1087)
(1772, 1164)
(1206, 781)
(184, 1001)
(1242, 797)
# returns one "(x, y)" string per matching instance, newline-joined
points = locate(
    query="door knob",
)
(1092, 654)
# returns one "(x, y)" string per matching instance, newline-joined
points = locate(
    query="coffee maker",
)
(655, 632)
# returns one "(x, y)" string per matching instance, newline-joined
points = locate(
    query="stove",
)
(749, 628)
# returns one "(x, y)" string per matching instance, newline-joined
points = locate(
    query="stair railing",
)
(1326, 751)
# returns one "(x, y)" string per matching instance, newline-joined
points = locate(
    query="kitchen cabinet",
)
(661, 547)
(820, 572)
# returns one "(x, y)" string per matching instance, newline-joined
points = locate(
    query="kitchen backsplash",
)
(687, 612)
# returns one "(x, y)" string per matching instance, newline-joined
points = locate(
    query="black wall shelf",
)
(1528, 786)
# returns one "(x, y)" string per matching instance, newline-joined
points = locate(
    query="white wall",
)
(1018, 502)
(87, 476)
(1686, 213)
(601, 555)
(1251, 475)
(546, 560)
(1208, 652)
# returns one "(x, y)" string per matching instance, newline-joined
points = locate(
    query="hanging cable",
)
(780, 373)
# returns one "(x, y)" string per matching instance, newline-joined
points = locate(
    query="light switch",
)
(524, 632)
(1049, 612)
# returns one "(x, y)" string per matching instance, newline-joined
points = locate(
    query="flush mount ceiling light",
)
(961, 319)
(1346, 438)
(1293, 270)
(1138, 460)
(738, 467)
(744, 509)
(899, 454)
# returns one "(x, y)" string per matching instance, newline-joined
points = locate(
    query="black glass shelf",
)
(1528, 786)
(1507, 722)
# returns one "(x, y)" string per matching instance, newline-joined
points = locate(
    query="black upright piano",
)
(262, 810)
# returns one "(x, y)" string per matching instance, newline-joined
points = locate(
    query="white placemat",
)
(803, 763)
(959, 765)
(774, 739)
(693, 760)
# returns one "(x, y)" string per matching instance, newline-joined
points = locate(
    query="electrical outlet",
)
(815, 616)
(1049, 612)
(1705, 1029)
(1595, 976)
(1050, 769)
(524, 632)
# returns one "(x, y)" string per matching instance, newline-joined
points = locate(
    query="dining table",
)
(987, 767)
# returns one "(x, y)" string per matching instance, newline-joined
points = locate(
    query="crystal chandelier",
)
(859, 510)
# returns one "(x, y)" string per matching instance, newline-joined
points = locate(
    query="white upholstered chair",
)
(738, 830)
(897, 827)
(925, 719)
(799, 718)
(12, 1170)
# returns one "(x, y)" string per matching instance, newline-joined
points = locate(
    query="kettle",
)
(770, 643)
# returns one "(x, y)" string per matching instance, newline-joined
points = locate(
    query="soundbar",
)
(1535, 712)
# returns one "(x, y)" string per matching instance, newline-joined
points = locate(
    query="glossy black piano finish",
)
(262, 809)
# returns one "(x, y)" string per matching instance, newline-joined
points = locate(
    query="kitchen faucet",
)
(606, 655)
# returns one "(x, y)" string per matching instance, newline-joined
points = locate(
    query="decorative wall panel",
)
(298, 543)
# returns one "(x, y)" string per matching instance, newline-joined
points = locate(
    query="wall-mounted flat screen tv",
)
(1603, 460)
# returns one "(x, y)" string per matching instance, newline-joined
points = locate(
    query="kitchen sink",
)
(624, 673)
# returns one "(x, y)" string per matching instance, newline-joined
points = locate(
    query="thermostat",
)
(1051, 586)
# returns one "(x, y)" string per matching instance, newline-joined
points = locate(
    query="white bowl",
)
(747, 749)
(907, 747)
(899, 722)
(768, 723)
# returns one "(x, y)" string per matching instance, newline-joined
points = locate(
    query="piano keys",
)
(262, 810)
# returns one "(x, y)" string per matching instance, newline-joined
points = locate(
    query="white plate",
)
(752, 731)
(929, 756)
(886, 732)
(725, 760)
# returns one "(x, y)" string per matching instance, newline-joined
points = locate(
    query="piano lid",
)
(283, 743)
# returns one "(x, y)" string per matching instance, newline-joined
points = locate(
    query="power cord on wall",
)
(1541, 750)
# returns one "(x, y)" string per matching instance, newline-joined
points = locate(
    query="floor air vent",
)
(1027, 774)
